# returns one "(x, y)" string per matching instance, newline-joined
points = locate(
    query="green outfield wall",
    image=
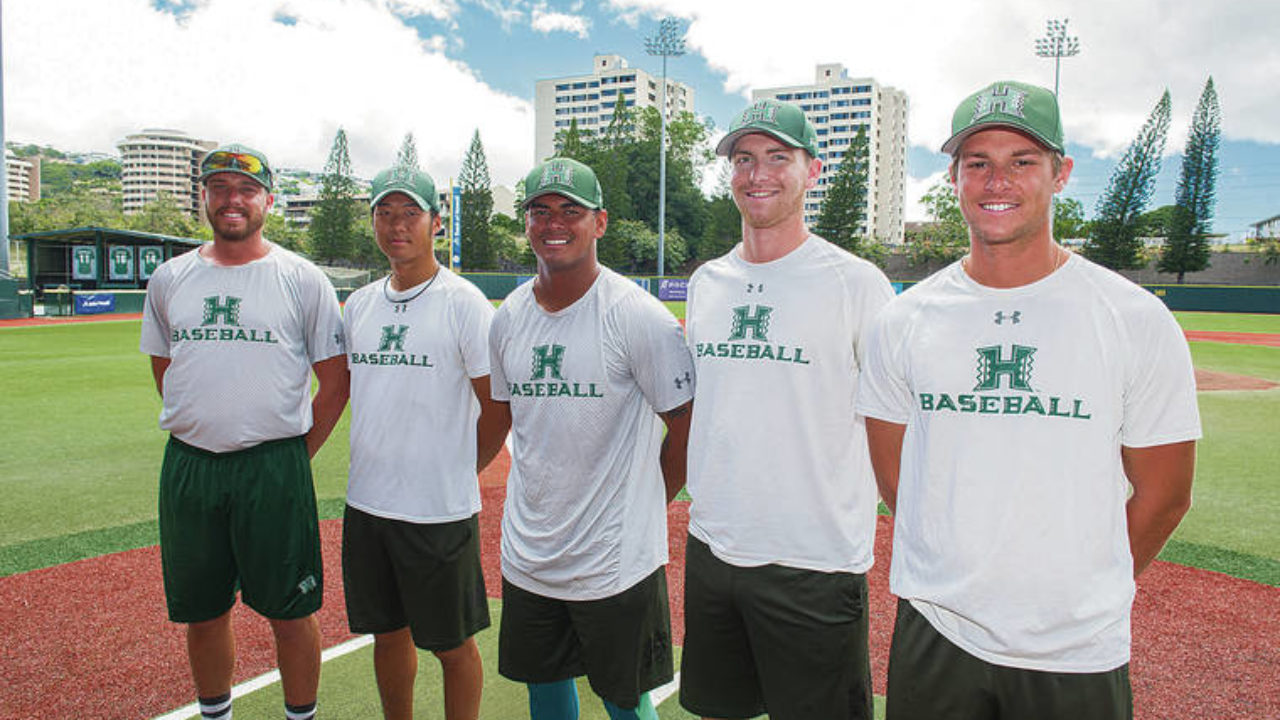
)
(496, 286)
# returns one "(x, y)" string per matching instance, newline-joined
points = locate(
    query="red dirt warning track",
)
(90, 640)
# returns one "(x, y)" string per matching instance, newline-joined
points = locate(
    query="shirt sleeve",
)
(875, 293)
(883, 389)
(1160, 391)
(654, 346)
(498, 389)
(322, 316)
(155, 320)
(474, 317)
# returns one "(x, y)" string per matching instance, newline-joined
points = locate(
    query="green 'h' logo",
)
(762, 111)
(393, 338)
(556, 173)
(547, 358)
(744, 322)
(1000, 99)
(229, 311)
(992, 366)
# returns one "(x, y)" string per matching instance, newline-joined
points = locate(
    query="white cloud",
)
(549, 22)
(938, 51)
(82, 75)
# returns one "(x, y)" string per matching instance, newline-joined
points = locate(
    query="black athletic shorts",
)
(621, 643)
(426, 576)
(773, 639)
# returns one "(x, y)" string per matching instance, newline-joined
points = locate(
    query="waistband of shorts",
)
(262, 447)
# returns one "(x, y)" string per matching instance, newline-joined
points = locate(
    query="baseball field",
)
(84, 627)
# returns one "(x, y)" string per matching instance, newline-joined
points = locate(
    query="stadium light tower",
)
(1057, 44)
(667, 42)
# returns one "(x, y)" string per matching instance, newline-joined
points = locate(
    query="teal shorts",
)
(930, 677)
(424, 576)
(241, 520)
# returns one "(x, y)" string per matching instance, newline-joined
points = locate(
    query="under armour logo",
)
(682, 381)
(398, 308)
(1015, 317)
(755, 288)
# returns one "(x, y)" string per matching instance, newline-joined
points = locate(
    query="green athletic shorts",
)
(930, 677)
(621, 643)
(423, 575)
(773, 639)
(244, 519)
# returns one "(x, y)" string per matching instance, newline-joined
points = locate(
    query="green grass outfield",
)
(82, 454)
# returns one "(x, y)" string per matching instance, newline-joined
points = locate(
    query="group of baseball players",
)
(1028, 417)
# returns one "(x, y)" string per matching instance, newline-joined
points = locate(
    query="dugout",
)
(63, 266)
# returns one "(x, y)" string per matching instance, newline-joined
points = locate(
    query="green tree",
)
(631, 246)
(283, 233)
(1114, 241)
(80, 207)
(478, 252)
(687, 150)
(569, 142)
(844, 210)
(1068, 219)
(1186, 248)
(408, 155)
(946, 238)
(724, 221)
(165, 216)
(332, 230)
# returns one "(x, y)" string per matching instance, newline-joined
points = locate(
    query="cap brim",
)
(564, 193)
(953, 144)
(422, 203)
(725, 147)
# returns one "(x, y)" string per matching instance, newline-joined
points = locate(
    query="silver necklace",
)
(399, 305)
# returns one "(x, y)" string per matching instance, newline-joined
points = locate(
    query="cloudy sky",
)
(284, 75)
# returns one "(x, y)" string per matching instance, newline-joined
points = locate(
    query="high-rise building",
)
(590, 99)
(157, 163)
(838, 106)
(22, 177)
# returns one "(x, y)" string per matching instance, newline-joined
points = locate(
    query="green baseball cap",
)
(567, 177)
(411, 181)
(784, 121)
(237, 158)
(1027, 108)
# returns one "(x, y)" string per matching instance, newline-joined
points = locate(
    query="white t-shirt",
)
(413, 408)
(241, 340)
(778, 465)
(1010, 535)
(585, 514)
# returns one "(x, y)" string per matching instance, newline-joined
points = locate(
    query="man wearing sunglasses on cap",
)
(235, 330)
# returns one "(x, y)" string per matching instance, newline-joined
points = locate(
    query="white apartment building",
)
(590, 99)
(161, 162)
(22, 178)
(837, 106)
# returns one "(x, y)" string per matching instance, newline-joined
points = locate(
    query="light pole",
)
(1057, 44)
(667, 42)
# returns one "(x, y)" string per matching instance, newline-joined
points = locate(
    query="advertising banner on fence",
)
(149, 258)
(92, 304)
(673, 288)
(121, 262)
(84, 262)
